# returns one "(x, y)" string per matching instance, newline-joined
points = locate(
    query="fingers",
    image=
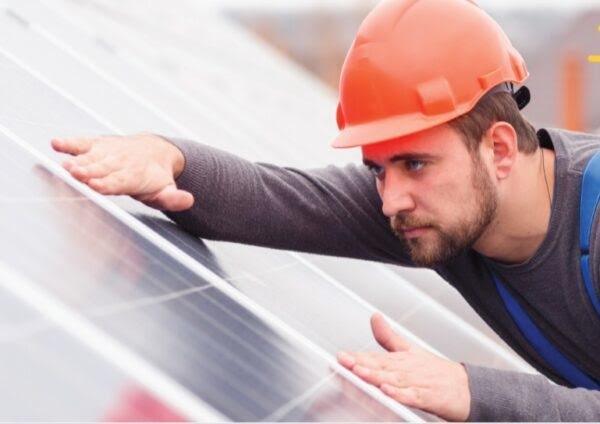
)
(373, 376)
(411, 375)
(120, 182)
(392, 382)
(93, 170)
(346, 359)
(168, 199)
(367, 359)
(385, 336)
(171, 199)
(84, 159)
(75, 146)
(114, 183)
(376, 368)
(141, 166)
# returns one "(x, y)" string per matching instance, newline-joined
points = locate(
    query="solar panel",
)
(270, 261)
(178, 65)
(97, 278)
(431, 284)
(236, 332)
(37, 358)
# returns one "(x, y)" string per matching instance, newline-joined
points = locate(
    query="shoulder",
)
(573, 149)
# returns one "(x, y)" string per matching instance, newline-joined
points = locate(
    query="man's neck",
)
(523, 216)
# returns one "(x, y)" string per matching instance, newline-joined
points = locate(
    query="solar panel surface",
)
(37, 357)
(63, 80)
(122, 284)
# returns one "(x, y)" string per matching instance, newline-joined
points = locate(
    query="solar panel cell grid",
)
(128, 288)
(46, 360)
(340, 336)
(95, 69)
(115, 22)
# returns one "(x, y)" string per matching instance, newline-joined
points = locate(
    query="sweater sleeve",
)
(498, 395)
(332, 211)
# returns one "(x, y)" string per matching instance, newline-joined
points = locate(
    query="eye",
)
(377, 171)
(415, 165)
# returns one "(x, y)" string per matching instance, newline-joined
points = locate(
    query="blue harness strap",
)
(544, 347)
(590, 197)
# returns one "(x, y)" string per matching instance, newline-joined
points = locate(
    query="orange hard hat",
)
(415, 64)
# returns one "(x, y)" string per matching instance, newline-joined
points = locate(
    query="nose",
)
(396, 195)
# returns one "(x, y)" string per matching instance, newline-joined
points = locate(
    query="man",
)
(455, 179)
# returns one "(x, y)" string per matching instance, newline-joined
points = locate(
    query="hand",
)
(411, 375)
(143, 166)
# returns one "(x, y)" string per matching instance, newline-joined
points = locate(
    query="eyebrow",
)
(403, 156)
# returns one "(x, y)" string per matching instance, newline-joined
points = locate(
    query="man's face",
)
(439, 197)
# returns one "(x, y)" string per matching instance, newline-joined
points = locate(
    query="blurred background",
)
(555, 37)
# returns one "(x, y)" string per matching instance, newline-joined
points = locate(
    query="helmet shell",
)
(416, 64)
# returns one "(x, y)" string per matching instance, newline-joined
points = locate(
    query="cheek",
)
(448, 199)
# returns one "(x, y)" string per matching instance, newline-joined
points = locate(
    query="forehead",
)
(438, 141)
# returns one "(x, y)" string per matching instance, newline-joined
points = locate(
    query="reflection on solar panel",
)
(132, 317)
(179, 332)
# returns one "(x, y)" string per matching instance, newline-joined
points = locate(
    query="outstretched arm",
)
(217, 195)
(332, 210)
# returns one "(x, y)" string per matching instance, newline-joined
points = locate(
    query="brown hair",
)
(490, 109)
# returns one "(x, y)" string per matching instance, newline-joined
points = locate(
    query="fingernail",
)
(346, 359)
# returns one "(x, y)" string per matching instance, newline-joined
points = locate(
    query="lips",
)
(409, 227)
(413, 232)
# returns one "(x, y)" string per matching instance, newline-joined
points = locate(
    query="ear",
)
(501, 137)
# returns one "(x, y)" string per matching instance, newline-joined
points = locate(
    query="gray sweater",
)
(336, 211)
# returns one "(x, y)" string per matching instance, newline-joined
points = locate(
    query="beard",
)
(443, 244)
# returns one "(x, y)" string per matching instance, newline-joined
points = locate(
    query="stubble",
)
(443, 244)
